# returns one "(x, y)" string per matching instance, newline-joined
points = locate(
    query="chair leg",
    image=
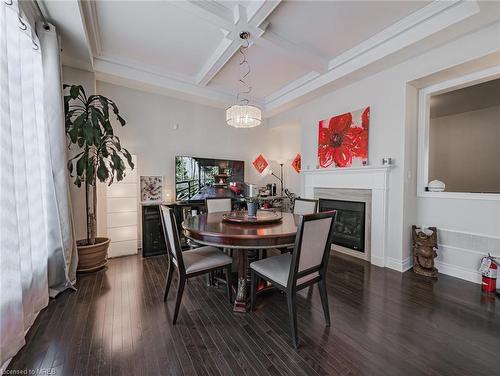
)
(180, 291)
(253, 287)
(229, 284)
(170, 273)
(324, 300)
(292, 313)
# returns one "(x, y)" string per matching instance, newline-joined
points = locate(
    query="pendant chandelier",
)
(242, 114)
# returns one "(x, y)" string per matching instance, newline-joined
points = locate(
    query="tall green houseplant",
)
(100, 156)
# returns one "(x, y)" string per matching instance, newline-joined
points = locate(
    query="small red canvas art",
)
(296, 163)
(260, 163)
(343, 139)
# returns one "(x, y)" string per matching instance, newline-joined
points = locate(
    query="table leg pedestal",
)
(241, 301)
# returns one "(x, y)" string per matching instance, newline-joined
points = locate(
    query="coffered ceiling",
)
(190, 48)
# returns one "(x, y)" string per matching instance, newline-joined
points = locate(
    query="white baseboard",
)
(407, 264)
(400, 266)
(378, 261)
(470, 275)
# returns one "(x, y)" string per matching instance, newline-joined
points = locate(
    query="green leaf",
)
(81, 164)
(74, 91)
(104, 152)
(121, 120)
(102, 171)
(128, 157)
(88, 133)
(80, 120)
(73, 135)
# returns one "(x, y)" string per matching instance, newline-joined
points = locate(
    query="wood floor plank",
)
(383, 323)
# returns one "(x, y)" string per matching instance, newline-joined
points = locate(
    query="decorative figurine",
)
(424, 251)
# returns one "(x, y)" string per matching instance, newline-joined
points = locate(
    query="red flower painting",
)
(296, 163)
(343, 139)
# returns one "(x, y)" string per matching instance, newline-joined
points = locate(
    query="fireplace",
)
(349, 227)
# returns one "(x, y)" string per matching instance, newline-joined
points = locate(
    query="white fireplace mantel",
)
(374, 178)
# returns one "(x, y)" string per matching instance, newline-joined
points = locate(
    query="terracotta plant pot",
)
(92, 257)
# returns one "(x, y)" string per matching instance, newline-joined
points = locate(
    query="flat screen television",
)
(199, 178)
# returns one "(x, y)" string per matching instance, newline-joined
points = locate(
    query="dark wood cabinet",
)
(153, 241)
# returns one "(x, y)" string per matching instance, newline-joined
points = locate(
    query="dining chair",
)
(305, 206)
(218, 204)
(304, 267)
(190, 263)
(302, 206)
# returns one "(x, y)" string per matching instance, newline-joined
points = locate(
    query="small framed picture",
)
(151, 188)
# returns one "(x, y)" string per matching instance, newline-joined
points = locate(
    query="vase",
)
(252, 209)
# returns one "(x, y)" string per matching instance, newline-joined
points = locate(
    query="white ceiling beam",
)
(226, 49)
(300, 54)
(211, 11)
(259, 11)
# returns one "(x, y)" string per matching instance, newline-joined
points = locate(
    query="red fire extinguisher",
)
(489, 282)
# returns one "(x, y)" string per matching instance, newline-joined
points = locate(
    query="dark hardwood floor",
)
(383, 323)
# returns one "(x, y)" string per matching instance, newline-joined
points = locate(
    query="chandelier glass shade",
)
(243, 116)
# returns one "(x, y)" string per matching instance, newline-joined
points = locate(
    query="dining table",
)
(212, 229)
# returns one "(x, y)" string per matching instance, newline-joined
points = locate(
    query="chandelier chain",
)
(244, 64)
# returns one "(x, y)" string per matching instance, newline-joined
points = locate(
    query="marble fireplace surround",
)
(355, 181)
(358, 195)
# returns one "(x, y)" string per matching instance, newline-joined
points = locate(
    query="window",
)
(459, 136)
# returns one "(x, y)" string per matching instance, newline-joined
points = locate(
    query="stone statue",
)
(424, 251)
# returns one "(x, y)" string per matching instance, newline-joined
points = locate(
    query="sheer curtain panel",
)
(63, 255)
(31, 222)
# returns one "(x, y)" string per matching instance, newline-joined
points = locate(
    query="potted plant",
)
(100, 158)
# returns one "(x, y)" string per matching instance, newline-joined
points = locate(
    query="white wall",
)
(392, 126)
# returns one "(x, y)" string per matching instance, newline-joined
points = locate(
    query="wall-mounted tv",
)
(199, 178)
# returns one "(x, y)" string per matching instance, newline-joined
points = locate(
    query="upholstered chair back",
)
(303, 206)
(312, 247)
(215, 205)
(170, 230)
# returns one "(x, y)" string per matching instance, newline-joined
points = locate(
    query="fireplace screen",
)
(349, 227)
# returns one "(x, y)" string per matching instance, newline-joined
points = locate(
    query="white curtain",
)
(62, 246)
(36, 242)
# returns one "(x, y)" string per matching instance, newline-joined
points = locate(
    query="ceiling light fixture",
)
(242, 114)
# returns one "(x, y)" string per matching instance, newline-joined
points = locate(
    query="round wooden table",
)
(210, 229)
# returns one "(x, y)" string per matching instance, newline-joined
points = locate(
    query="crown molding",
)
(90, 17)
(175, 85)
